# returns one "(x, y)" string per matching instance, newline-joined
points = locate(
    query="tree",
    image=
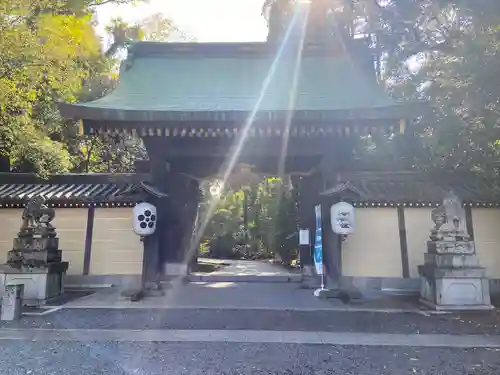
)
(323, 18)
(278, 13)
(447, 52)
(271, 220)
(49, 52)
(442, 51)
(117, 153)
(41, 60)
(156, 28)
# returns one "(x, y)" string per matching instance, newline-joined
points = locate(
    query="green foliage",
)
(271, 225)
(448, 53)
(49, 52)
(40, 62)
(443, 51)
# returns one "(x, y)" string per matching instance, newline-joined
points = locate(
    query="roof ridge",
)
(148, 48)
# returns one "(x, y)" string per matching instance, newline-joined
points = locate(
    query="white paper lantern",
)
(144, 219)
(342, 218)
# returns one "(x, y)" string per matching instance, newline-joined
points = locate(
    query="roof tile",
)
(179, 83)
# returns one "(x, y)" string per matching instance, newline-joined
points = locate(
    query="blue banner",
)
(318, 242)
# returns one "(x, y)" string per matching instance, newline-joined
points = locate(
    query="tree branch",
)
(103, 2)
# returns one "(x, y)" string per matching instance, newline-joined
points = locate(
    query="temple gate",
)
(201, 108)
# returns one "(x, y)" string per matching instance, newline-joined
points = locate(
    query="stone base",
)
(345, 296)
(451, 246)
(151, 289)
(176, 269)
(433, 306)
(455, 293)
(309, 278)
(138, 294)
(451, 260)
(323, 293)
(41, 285)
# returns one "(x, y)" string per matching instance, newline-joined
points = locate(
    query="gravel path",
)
(331, 321)
(111, 358)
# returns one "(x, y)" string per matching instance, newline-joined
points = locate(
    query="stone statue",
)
(455, 213)
(449, 218)
(35, 256)
(37, 215)
(451, 276)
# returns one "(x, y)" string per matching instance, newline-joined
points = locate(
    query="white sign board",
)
(304, 237)
(342, 218)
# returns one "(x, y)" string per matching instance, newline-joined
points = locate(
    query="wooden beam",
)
(403, 242)
(266, 147)
(231, 128)
(468, 221)
(87, 256)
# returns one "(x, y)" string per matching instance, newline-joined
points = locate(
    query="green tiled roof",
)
(230, 83)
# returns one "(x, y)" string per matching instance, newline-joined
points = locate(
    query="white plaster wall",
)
(116, 249)
(486, 222)
(374, 250)
(418, 224)
(10, 222)
(71, 227)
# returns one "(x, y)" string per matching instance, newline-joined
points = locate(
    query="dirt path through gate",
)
(244, 271)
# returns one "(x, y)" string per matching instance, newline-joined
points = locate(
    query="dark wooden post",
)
(309, 187)
(88, 240)
(332, 242)
(178, 225)
(332, 246)
(189, 223)
(150, 277)
(305, 209)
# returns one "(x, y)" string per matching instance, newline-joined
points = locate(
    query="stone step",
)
(452, 260)
(246, 278)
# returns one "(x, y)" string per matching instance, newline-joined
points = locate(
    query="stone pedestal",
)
(12, 302)
(451, 277)
(41, 284)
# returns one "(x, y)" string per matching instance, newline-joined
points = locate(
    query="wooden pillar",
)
(332, 247)
(178, 224)
(151, 266)
(150, 259)
(88, 240)
(332, 242)
(403, 242)
(309, 188)
(468, 221)
(188, 223)
(305, 209)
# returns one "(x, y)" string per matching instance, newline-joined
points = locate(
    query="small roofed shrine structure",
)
(283, 108)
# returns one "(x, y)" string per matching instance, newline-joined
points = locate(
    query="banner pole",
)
(323, 278)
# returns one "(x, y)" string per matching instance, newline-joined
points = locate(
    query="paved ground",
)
(248, 328)
(215, 295)
(160, 358)
(251, 336)
(277, 320)
(239, 295)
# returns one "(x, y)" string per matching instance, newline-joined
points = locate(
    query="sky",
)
(205, 20)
